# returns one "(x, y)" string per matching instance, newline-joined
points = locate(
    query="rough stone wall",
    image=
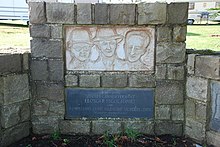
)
(50, 77)
(14, 98)
(203, 76)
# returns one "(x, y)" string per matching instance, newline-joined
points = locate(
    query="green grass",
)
(199, 37)
(14, 36)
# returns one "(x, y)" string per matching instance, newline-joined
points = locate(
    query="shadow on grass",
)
(192, 34)
(13, 25)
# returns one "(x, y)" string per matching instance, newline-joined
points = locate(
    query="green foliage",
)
(29, 145)
(109, 139)
(56, 135)
(132, 134)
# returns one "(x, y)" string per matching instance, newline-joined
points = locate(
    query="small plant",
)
(109, 139)
(132, 134)
(56, 135)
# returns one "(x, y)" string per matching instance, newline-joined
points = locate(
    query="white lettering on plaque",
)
(110, 48)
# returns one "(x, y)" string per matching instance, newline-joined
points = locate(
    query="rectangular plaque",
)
(110, 48)
(109, 103)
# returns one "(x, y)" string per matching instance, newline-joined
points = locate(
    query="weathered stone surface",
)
(14, 114)
(89, 81)
(15, 133)
(101, 126)
(146, 127)
(179, 33)
(162, 112)
(14, 88)
(51, 91)
(170, 53)
(45, 124)
(176, 72)
(213, 138)
(26, 57)
(177, 13)
(142, 81)
(161, 71)
(46, 48)
(74, 127)
(114, 81)
(57, 108)
(164, 34)
(166, 127)
(84, 13)
(197, 88)
(40, 106)
(40, 30)
(191, 63)
(195, 130)
(169, 92)
(190, 109)
(101, 13)
(71, 80)
(37, 14)
(56, 70)
(122, 14)
(208, 67)
(154, 13)
(177, 112)
(39, 70)
(10, 63)
(201, 111)
(60, 13)
(56, 31)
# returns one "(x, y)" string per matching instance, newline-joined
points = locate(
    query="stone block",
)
(166, 127)
(37, 13)
(26, 57)
(190, 109)
(51, 91)
(101, 126)
(84, 13)
(208, 67)
(40, 106)
(57, 108)
(177, 13)
(45, 124)
(101, 13)
(161, 71)
(14, 114)
(10, 63)
(39, 70)
(178, 112)
(197, 88)
(122, 14)
(74, 127)
(40, 30)
(114, 81)
(191, 63)
(145, 127)
(213, 138)
(201, 111)
(152, 13)
(56, 70)
(176, 72)
(170, 53)
(162, 112)
(142, 81)
(71, 80)
(60, 13)
(195, 130)
(56, 31)
(164, 34)
(169, 92)
(89, 81)
(15, 133)
(179, 33)
(46, 48)
(14, 88)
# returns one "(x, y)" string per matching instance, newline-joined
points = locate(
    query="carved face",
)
(108, 47)
(135, 46)
(81, 51)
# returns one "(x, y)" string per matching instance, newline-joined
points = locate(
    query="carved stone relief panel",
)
(112, 48)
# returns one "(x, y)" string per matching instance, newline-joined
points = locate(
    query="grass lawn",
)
(199, 37)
